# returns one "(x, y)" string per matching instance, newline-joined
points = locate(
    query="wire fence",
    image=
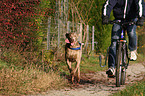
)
(59, 25)
(57, 29)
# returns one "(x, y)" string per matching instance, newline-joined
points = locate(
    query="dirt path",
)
(97, 84)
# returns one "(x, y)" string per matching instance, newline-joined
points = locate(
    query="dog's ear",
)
(67, 35)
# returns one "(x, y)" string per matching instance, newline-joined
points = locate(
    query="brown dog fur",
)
(73, 55)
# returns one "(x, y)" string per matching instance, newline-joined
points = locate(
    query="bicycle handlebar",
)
(122, 23)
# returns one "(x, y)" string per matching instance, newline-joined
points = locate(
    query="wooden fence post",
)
(93, 30)
(87, 39)
(81, 28)
(68, 26)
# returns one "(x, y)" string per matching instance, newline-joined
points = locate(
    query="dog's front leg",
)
(77, 67)
(69, 65)
(71, 72)
(78, 75)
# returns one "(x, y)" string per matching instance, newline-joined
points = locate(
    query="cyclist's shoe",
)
(133, 56)
(111, 72)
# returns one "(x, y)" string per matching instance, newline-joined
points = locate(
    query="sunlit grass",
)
(30, 80)
(137, 89)
(91, 64)
(87, 65)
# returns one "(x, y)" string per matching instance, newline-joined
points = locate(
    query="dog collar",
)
(78, 48)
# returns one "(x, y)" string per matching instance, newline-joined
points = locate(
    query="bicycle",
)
(122, 58)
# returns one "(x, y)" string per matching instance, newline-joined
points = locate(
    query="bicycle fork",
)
(124, 49)
(125, 57)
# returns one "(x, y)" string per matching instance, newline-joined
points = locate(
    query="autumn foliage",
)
(18, 21)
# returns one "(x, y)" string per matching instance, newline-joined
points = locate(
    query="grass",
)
(28, 73)
(88, 65)
(31, 80)
(91, 64)
(136, 89)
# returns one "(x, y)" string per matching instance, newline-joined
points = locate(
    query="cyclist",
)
(124, 10)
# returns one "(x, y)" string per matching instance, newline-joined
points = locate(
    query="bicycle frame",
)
(124, 44)
(121, 39)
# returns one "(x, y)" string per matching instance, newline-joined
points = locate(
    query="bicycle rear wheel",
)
(118, 64)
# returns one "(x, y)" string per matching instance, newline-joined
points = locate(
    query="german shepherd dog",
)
(73, 53)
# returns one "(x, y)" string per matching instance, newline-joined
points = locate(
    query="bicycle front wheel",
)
(124, 63)
(123, 76)
(118, 64)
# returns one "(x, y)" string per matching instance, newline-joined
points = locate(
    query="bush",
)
(20, 22)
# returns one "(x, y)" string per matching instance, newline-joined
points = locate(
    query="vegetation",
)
(136, 89)
(25, 68)
(30, 80)
(21, 22)
(88, 65)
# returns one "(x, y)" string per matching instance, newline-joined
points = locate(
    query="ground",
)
(98, 84)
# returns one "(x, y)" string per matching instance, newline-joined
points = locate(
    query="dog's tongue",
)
(67, 41)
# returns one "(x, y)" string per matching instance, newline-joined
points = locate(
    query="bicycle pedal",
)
(111, 76)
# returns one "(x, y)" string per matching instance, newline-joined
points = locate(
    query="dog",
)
(73, 53)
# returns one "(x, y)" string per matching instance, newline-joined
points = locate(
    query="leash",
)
(100, 59)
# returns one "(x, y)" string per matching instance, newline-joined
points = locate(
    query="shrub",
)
(20, 22)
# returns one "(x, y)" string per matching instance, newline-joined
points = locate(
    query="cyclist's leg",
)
(131, 30)
(116, 29)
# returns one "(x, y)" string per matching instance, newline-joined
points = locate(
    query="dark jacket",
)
(124, 9)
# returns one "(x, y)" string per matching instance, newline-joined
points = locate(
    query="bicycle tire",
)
(125, 58)
(118, 64)
(123, 76)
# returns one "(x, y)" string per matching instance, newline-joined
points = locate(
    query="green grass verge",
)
(91, 64)
(88, 65)
(136, 89)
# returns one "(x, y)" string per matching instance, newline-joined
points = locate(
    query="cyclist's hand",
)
(105, 20)
(140, 21)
